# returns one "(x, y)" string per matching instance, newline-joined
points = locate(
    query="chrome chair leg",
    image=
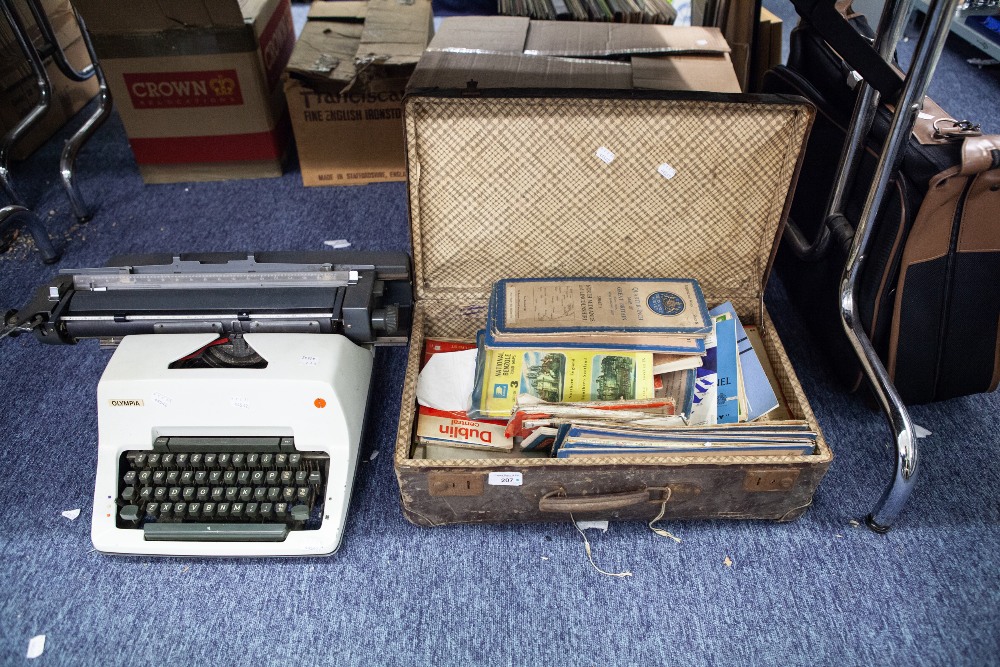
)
(932, 39)
(17, 132)
(67, 162)
(19, 216)
(52, 48)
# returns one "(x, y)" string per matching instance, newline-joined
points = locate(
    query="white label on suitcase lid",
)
(666, 171)
(505, 479)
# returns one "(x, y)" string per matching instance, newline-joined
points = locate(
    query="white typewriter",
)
(230, 416)
(228, 461)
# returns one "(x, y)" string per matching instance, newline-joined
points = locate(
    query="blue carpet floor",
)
(818, 591)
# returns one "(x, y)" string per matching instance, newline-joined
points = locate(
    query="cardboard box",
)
(197, 83)
(515, 52)
(19, 87)
(344, 86)
(767, 45)
(738, 23)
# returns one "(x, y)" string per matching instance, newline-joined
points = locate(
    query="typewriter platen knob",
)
(386, 319)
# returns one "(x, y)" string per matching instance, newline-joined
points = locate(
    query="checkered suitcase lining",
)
(498, 185)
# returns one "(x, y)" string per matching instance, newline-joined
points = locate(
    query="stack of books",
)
(595, 366)
(619, 11)
(666, 316)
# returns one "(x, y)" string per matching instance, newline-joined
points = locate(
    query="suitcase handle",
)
(853, 47)
(554, 501)
(836, 229)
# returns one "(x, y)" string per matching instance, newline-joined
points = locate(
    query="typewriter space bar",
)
(216, 532)
(194, 444)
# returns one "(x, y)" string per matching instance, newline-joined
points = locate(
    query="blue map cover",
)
(587, 313)
(728, 379)
(760, 396)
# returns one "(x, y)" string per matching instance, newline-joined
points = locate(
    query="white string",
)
(590, 556)
(663, 510)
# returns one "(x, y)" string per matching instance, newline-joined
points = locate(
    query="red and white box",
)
(197, 83)
(455, 428)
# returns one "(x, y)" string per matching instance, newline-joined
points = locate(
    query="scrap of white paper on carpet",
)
(72, 514)
(598, 525)
(920, 431)
(446, 382)
(36, 646)
(338, 243)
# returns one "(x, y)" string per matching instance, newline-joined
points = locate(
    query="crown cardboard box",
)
(197, 83)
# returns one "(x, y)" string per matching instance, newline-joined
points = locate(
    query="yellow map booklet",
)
(557, 375)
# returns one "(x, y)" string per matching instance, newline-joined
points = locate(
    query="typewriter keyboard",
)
(205, 489)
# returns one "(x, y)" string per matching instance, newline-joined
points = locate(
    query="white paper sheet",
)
(36, 646)
(447, 380)
(596, 525)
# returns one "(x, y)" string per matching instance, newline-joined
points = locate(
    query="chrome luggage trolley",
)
(908, 96)
(18, 214)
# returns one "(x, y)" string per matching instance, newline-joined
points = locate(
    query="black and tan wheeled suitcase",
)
(603, 183)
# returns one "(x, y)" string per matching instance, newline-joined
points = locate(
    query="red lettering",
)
(184, 89)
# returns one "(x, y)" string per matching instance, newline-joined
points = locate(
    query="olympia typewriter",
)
(226, 425)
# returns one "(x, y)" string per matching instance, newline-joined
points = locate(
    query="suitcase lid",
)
(599, 183)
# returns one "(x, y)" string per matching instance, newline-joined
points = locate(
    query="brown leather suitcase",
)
(512, 185)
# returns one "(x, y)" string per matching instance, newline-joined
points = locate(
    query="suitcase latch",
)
(455, 483)
(770, 480)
